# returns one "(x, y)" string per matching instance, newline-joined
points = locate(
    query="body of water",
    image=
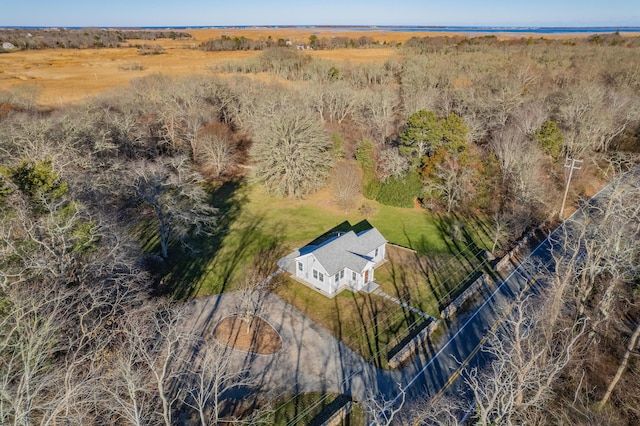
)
(420, 29)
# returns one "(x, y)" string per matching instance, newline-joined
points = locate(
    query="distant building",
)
(7, 46)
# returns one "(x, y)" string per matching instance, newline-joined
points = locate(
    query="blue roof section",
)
(306, 250)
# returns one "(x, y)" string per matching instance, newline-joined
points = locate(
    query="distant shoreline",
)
(515, 30)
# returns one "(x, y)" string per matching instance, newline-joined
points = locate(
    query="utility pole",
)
(570, 163)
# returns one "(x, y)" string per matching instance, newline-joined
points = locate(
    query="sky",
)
(122, 13)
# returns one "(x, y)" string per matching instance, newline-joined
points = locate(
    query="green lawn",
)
(256, 229)
(315, 408)
(413, 228)
(430, 282)
(303, 220)
(366, 323)
(300, 221)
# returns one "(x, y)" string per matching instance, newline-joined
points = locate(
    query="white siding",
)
(348, 279)
(309, 264)
(380, 256)
(358, 283)
(328, 284)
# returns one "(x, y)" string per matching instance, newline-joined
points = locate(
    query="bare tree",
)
(520, 163)
(508, 145)
(451, 182)
(88, 338)
(30, 337)
(504, 96)
(171, 188)
(593, 117)
(592, 281)
(195, 117)
(437, 411)
(517, 385)
(383, 412)
(158, 349)
(333, 101)
(341, 101)
(218, 149)
(291, 152)
(250, 297)
(52, 340)
(126, 388)
(213, 376)
(392, 164)
(421, 81)
(377, 112)
(631, 347)
(501, 222)
(608, 250)
(529, 117)
(346, 184)
(142, 382)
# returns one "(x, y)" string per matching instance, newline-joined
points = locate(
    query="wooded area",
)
(99, 199)
(50, 38)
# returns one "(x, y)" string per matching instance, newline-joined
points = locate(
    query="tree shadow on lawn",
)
(405, 275)
(366, 323)
(407, 279)
(206, 260)
(383, 327)
(429, 263)
(310, 408)
(248, 245)
(449, 274)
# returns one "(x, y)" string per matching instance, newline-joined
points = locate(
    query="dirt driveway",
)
(311, 359)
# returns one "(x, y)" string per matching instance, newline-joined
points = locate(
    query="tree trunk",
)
(248, 319)
(165, 233)
(623, 365)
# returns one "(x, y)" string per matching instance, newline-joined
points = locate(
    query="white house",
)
(345, 260)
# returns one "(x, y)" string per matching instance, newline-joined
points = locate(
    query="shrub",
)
(146, 49)
(400, 191)
(550, 138)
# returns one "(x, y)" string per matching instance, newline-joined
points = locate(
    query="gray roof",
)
(347, 250)
(370, 239)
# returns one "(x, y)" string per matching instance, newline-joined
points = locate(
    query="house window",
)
(315, 274)
(299, 266)
(375, 255)
(353, 276)
(337, 277)
(321, 276)
(342, 274)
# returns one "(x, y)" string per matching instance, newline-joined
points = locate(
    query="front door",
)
(366, 276)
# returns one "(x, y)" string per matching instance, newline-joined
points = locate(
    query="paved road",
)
(440, 365)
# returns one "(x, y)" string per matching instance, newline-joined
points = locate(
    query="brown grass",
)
(65, 76)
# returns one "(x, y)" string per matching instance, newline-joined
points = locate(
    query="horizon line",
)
(372, 26)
